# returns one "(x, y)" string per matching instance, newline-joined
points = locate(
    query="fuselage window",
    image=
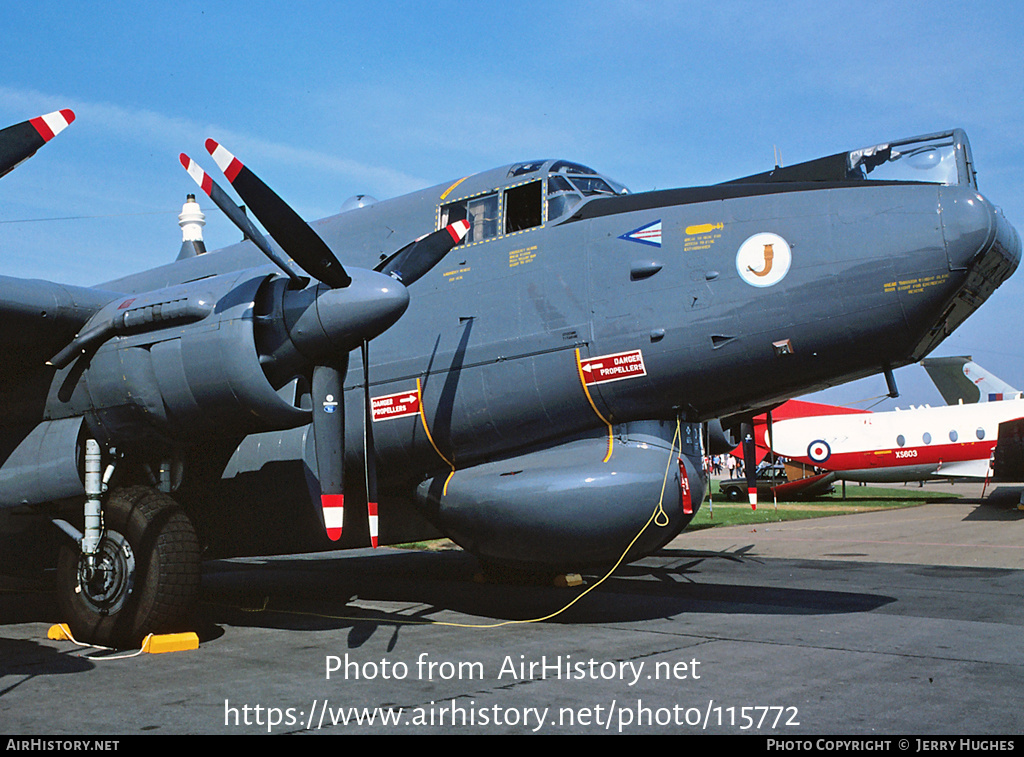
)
(900, 440)
(523, 207)
(481, 212)
(980, 433)
(927, 438)
(953, 435)
(562, 197)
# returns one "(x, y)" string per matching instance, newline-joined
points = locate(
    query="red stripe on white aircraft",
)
(899, 456)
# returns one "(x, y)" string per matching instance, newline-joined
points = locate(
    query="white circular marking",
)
(763, 260)
(819, 451)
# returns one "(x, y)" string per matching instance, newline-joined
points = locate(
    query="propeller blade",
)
(415, 259)
(295, 236)
(236, 216)
(18, 143)
(750, 462)
(329, 442)
(369, 451)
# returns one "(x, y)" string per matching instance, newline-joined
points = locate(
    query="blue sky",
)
(330, 99)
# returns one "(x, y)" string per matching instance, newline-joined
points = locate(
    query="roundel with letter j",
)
(763, 260)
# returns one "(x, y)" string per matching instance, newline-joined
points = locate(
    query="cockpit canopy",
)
(569, 183)
(541, 192)
(940, 158)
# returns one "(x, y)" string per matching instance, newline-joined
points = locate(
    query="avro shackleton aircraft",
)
(523, 378)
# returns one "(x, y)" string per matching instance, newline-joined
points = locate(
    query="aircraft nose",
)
(978, 237)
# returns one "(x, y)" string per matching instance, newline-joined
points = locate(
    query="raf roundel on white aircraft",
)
(819, 451)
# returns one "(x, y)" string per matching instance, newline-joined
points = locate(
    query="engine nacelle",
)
(564, 508)
(175, 363)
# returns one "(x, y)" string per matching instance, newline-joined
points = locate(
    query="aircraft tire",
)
(150, 584)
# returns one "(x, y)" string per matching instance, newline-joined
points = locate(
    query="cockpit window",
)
(568, 185)
(481, 212)
(592, 185)
(520, 169)
(564, 166)
(523, 208)
(520, 206)
(925, 160)
(558, 184)
(942, 158)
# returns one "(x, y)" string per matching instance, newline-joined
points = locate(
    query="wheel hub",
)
(106, 586)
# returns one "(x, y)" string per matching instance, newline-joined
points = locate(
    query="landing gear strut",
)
(144, 577)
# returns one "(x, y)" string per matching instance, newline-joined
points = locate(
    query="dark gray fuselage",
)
(496, 339)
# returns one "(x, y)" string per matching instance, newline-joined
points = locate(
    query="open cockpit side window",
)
(509, 211)
(523, 207)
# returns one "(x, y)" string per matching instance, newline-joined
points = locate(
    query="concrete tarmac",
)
(877, 624)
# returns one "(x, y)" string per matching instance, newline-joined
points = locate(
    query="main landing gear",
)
(143, 578)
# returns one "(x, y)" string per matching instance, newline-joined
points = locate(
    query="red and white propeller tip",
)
(52, 124)
(371, 512)
(228, 163)
(334, 514)
(197, 173)
(458, 230)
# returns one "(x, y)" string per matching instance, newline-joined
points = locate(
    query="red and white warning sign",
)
(397, 405)
(621, 365)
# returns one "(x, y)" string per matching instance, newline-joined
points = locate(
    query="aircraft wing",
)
(39, 318)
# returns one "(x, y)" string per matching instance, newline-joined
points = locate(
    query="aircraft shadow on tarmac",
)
(21, 660)
(999, 503)
(317, 592)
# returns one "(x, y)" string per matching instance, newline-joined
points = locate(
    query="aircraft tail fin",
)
(961, 379)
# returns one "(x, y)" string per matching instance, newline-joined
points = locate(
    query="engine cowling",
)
(173, 376)
(229, 354)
